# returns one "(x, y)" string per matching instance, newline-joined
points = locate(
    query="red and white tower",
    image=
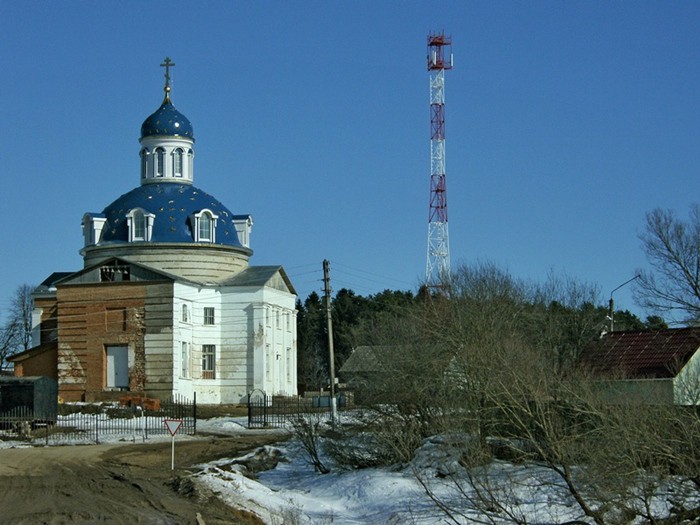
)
(437, 269)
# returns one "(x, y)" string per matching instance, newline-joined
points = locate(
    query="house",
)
(655, 366)
(166, 302)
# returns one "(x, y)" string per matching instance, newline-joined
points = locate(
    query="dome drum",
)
(166, 159)
(198, 262)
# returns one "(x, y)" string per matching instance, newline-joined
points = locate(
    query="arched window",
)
(177, 162)
(160, 162)
(144, 163)
(190, 164)
(205, 227)
(139, 225)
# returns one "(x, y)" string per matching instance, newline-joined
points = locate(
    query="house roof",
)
(51, 346)
(363, 359)
(648, 354)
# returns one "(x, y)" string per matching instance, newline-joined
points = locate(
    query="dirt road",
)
(116, 484)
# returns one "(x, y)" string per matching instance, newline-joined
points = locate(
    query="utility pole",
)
(329, 325)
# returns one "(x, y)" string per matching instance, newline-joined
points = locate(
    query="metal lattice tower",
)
(437, 269)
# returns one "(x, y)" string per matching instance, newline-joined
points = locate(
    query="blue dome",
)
(167, 121)
(173, 206)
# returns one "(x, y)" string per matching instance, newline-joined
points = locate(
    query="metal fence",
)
(97, 423)
(276, 411)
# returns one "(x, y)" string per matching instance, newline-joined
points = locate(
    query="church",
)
(166, 303)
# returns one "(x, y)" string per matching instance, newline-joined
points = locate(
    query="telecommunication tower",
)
(437, 268)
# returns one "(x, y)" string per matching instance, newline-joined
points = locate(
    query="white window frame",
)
(144, 162)
(185, 313)
(178, 163)
(209, 316)
(185, 360)
(197, 226)
(159, 164)
(208, 361)
(131, 220)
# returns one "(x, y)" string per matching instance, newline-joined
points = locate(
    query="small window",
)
(160, 162)
(139, 226)
(185, 364)
(267, 316)
(208, 315)
(288, 319)
(185, 314)
(277, 319)
(177, 163)
(190, 163)
(205, 227)
(208, 361)
(144, 163)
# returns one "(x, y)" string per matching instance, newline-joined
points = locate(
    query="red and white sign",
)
(173, 425)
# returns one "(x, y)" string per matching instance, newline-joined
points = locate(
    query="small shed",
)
(38, 396)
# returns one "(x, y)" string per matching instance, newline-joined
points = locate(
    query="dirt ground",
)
(117, 484)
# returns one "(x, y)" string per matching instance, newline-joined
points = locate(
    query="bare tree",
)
(7, 342)
(672, 246)
(21, 313)
(16, 333)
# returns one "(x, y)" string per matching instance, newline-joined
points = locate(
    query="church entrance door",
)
(117, 366)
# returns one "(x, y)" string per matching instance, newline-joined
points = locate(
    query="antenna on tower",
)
(437, 269)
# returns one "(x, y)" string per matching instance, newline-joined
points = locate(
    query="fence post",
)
(194, 413)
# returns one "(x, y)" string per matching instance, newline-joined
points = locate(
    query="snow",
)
(293, 492)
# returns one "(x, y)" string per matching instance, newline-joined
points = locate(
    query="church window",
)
(177, 162)
(208, 361)
(185, 314)
(144, 163)
(185, 364)
(140, 224)
(205, 226)
(190, 163)
(208, 315)
(160, 162)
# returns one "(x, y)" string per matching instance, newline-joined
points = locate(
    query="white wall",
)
(251, 352)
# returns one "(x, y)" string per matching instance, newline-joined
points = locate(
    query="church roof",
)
(167, 121)
(173, 206)
(259, 276)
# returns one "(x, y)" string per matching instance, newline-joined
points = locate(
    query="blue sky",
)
(565, 123)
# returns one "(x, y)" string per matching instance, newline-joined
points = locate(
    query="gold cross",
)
(167, 64)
